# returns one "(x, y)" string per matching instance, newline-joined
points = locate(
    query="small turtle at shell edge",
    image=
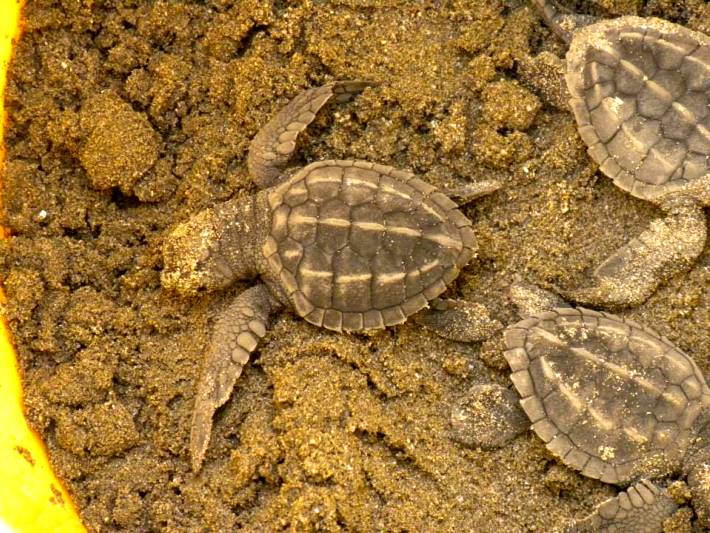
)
(348, 245)
(639, 89)
(617, 402)
(487, 416)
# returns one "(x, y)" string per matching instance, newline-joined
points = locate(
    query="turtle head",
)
(192, 256)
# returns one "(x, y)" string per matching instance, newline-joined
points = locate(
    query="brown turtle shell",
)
(610, 397)
(357, 245)
(640, 92)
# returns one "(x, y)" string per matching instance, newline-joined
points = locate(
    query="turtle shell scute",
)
(357, 245)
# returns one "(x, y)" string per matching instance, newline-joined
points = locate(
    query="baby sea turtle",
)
(617, 402)
(640, 92)
(348, 245)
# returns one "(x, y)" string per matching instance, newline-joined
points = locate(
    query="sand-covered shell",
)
(611, 398)
(640, 92)
(357, 245)
(487, 416)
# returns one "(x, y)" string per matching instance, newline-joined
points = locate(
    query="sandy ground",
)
(125, 120)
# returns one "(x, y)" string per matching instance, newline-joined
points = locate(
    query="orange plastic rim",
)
(31, 498)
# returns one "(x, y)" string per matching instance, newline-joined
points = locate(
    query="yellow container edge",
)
(31, 498)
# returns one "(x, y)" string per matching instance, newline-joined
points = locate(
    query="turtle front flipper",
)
(634, 272)
(235, 335)
(275, 142)
(643, 507)
(563, 24)
(458, 320)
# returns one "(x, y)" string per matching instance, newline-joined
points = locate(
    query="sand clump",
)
(124, 121)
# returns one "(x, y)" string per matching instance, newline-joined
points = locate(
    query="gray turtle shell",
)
(610, 397)
(640, 92)
(357, 245)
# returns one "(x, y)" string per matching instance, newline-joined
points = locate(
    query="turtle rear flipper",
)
(235, 336)
(471, 191)
(275, 142)
(643, 507)
(458, 320)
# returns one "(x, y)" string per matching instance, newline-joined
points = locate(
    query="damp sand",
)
(126, 120)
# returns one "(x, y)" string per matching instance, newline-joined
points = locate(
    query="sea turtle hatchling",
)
(348, 245)
(617, 402)
(640, 92)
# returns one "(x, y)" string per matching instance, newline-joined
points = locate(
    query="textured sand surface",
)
(126, 120)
